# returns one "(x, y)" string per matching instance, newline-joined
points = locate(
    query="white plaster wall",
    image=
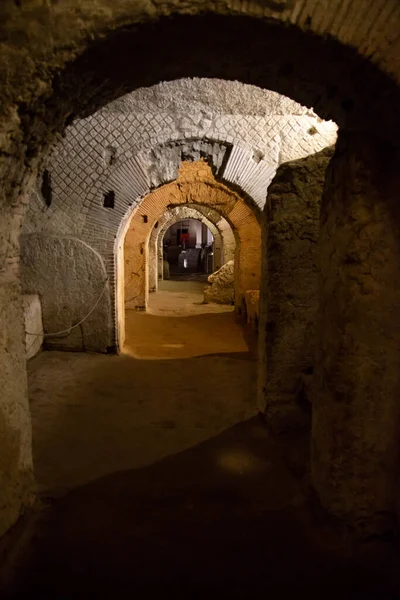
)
(269, 126)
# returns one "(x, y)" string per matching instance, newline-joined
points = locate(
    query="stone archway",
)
(161, 226)
(197, 185)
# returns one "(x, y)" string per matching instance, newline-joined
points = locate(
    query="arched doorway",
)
(195, 185)
(188, 246)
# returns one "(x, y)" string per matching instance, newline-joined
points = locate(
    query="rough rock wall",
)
(69, 278)
(220, 286)
(16, 473)
(356, 408)
(290, 288)
(288, 45)
(170, 129)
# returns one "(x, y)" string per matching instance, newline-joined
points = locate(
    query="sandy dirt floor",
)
(178, 324)
(182, 379)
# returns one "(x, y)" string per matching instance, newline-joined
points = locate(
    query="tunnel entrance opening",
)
(234, 252)
(172, 305)
(188, 251)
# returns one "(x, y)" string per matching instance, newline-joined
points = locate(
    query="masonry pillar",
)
(203, 233)
(199, 233)
(289, 293)
(16, 471)
(153, 265)
(160, 260)
(218, 252)
(355, 416)
(136, 271)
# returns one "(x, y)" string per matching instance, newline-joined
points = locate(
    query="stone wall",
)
(16, 473)
(289, 296)
(356, 408)
(62, 60)
(69, 277)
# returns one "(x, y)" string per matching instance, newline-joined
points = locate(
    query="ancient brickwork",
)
(195, 185)
(220, 286)
(83, 163)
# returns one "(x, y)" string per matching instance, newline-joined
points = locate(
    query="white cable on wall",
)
(76, 324)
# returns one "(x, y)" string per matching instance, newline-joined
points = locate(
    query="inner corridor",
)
(168, 431)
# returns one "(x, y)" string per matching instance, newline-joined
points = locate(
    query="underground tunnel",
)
(200, 294)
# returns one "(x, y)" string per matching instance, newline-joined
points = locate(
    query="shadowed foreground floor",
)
(224, 519)
(159, 481)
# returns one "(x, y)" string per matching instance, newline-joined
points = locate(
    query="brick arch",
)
(195, 184)
(227, 233)
(219, 227)
(137, 175)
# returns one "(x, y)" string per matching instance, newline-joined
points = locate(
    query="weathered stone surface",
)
(252, 301)
(33, 324)
(220, 287)
(290, 290)
(167, 131)
(69, 276)
(62, 60)
(356, 408)
(207, 97)
(16, 475)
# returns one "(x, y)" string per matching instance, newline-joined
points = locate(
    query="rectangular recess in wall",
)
(109, 199)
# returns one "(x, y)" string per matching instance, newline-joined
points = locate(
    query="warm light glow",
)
(172, 345)
(239, 461)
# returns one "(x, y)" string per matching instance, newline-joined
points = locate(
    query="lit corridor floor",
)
(158, 478)
(178, 324)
